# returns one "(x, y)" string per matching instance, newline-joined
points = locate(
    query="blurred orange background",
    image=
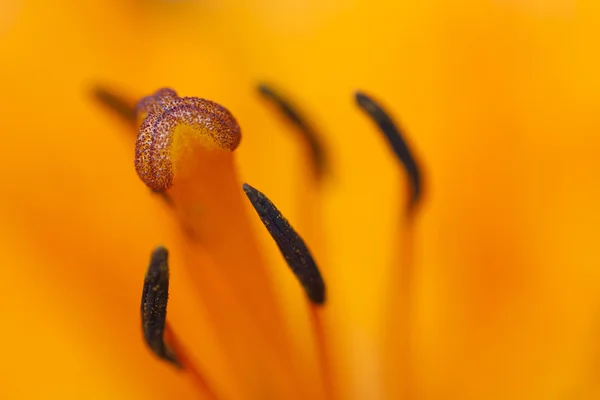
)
(498, 98)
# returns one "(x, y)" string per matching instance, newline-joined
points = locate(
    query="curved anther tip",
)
(304, 128)
(362, 99)
(264, 88)
(155, 296)
(115, 102)
(396, 141)
(291, 245)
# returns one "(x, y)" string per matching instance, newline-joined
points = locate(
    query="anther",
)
(396, 142)
(116, 103)
(154, 305)
(307, 132)
(291, 245)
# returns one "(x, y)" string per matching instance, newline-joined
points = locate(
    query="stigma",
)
(172, 127)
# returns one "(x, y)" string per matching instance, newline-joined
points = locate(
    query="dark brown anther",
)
(396, 142)
(303, 127)
(290, 244)
(117, 104)
(154, 305)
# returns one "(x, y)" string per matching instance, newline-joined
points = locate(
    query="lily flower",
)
(418, 219)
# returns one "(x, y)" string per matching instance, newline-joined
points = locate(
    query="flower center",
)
(173, 128)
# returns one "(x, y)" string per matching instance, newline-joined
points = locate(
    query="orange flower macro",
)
(485, 287)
